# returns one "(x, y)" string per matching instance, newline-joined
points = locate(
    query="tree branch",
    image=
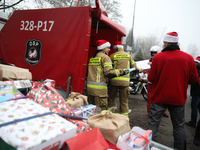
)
(11, 5)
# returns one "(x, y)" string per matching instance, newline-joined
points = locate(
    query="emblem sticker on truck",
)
(33, 52)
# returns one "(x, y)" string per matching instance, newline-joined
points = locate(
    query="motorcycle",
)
(138, 84)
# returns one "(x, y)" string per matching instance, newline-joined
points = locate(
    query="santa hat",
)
(171, 37)
(118, 45)
(197, 59)
(101, 44)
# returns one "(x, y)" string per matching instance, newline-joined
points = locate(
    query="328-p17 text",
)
(39, 26)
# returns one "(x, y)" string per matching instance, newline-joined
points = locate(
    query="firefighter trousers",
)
(98, 101)
(124, 93)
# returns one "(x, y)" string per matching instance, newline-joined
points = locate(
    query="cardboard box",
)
(141, 141)
(19, 84)
(126, 143)
(143, 64)
(9, 92)
(90, 140)
(85, 110)
(47, 132)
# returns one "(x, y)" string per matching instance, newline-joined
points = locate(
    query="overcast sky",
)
(157, 17)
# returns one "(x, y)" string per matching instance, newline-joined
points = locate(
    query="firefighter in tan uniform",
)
(99, 70)
(121, 60)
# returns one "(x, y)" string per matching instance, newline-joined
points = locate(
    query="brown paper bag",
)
(76, 100)
(111, 125)
(14, 73)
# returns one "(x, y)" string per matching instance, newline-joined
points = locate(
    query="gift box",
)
(48, 131)
(19, 84)
(90, 140)
(51, 99)
(9, 92)
(136, 139)
(50, 82)
(85, 110)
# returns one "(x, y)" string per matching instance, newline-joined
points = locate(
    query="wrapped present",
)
(82, 142)
(85, 110)
(51, 99)
(8, 72)
(38, 129)
(76, 100)
(50, 82)
(19, 84)
(111, 125)
(9, 92)
(136, 139)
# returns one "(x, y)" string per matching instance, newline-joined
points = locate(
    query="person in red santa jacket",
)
(153, 50)
(170, 73)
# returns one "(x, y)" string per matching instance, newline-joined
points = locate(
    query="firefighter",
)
(99, 70)
(121, 60)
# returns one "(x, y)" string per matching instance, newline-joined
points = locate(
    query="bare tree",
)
(9, 4)
(111, 6)
(193, 50)
(145, 43)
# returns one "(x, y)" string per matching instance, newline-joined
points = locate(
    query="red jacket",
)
(170, 73)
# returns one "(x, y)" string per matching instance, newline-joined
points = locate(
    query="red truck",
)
(57, 43)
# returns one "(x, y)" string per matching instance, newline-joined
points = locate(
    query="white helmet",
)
(155, 48)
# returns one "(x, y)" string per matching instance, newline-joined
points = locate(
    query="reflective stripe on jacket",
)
(98, 69)
(122, 60)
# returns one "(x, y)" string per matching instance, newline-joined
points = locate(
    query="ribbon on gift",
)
(40, 115)
(107, 113)
(146, 138)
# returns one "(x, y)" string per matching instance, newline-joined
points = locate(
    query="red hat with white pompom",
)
(171, 37)
(197, 59)
(118, 45)
(101, 44)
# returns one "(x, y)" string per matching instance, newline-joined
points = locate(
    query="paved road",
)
(138, 117)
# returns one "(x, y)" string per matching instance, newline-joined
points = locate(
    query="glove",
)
(126, 71)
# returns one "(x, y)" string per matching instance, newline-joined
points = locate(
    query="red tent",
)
(57, 43)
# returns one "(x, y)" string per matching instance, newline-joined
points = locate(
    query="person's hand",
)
(126, 71)
(149, 63)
